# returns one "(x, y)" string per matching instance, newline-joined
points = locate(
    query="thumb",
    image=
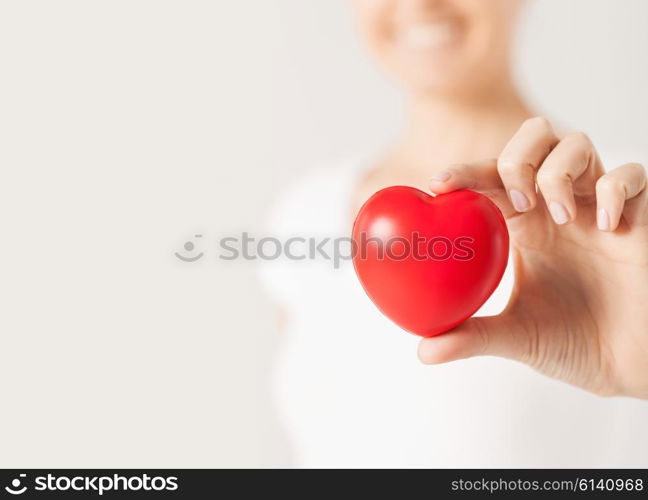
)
(501, 335)
(481, 176)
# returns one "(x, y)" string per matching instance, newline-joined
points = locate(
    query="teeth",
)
(428, 36)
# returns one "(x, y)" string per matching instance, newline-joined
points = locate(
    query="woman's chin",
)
(440, 83)
(446, 75)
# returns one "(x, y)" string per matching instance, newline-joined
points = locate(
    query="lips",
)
(428, 36)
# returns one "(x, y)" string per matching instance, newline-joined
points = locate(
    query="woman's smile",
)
(427, 38)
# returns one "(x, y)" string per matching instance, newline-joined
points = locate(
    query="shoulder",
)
(315, 205)
(317, 200)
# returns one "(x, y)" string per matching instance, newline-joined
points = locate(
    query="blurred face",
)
(447, 46)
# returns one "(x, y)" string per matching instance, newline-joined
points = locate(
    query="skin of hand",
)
(579, 241)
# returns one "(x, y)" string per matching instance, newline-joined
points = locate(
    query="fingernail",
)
(602, 219)
(442, 176)
(558, 212)
(520, 201)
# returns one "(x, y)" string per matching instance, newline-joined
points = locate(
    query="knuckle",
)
(538, 122)
(543, 176)
(579, 139)
(549, 177)
(484, 337)
(639, 169)
(609, 185)
(507, 167)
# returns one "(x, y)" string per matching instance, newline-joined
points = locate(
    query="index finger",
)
(480, 176)
(521, 158)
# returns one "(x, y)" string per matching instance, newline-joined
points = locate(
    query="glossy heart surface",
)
(429, 262)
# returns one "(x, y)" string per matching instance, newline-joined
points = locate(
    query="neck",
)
(445, 129)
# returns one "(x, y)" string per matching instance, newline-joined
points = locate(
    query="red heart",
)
(442, 257)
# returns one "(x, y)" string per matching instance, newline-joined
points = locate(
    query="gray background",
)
(128, 126)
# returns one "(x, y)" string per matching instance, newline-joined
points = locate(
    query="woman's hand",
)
(579, 310)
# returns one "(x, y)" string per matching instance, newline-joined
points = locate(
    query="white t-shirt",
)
(351, 392)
